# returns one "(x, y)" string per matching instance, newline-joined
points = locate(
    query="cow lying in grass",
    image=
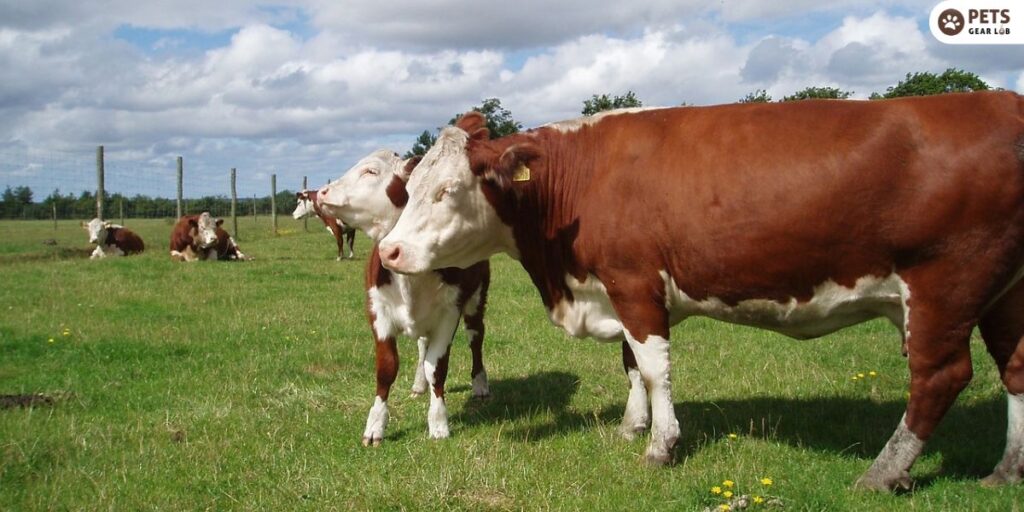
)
(307, 204)
(112, 239)
(425, 307)
(200, 237)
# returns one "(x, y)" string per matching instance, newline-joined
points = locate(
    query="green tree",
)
(422, 144)
(833, 93)
(758, 96)
(604, 102)
(925, 84)
(499, 119)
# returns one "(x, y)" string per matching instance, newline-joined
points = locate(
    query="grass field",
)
(245, 386)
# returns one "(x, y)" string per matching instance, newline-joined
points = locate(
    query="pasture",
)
(245, 386)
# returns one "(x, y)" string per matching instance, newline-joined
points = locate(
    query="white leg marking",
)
(440, 340)
(652, 358)
(97, 253)
(376, 421)
(419, 383)
(1010, 469)
(635, 419)
(480, 386)
(891, 468)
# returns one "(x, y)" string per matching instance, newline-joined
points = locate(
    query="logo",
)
(951, 22)
(978, 22)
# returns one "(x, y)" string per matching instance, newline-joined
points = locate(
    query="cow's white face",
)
(304, 208)
(447, 222)
(97, 230)
(206, 231)
(360, 197)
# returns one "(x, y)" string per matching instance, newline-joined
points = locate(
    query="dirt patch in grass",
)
(25, 401)
(58, 253)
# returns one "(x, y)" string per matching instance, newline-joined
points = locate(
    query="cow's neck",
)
(543, 213)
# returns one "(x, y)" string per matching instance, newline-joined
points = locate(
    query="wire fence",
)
(55, 184)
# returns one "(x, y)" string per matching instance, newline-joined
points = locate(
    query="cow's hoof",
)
(371, 441)
(415, 392)
(657, 458)
(999, 478)
(630, 432)
(439, 432)
(874, 482)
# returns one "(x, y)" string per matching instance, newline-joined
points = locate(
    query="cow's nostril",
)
(392, 254)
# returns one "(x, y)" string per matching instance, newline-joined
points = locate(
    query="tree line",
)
(18, 204)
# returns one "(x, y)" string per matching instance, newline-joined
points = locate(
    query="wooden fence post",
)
(99, 182)
(120, 209)
(305, 220)
(234, 204)
(180, 169)
(54, 205)
(254, 209)
(273, 202)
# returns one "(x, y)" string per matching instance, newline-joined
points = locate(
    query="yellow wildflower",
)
(766, 481)
(50, 340)
(733, 436)
(758, 500)
(853, 378)
(873, 373)
(728, 483)
(716, 490)
(860, 375)
(724, 507)
(727, 494)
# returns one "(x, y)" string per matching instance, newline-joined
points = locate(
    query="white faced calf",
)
(112, 239)
(425, 307)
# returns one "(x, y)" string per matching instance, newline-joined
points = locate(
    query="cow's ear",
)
(411, 164)
(514, 163)
(107, 224)
(193, 221)
(219, 222)
(475, 124)
(300, 195)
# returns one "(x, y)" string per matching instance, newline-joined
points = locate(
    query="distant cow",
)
(425, 307)
(801, 217)
(200, 237)
(308, 204)
(112, 239)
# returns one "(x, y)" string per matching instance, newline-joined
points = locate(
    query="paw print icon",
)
(951, 22)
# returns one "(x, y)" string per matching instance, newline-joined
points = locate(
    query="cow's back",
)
(126, 240)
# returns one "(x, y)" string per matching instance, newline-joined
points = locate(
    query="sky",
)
(307, 87)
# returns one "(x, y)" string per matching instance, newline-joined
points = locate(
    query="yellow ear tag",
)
(522, 173)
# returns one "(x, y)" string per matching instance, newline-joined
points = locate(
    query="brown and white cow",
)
(424, 307)
(802, 217)
(308, 204)
(201, 237)
(112, 239)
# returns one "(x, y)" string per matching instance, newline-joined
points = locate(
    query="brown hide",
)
(125, 239)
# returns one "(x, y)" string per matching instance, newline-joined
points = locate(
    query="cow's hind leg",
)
(474, 318)
(636, 416)
(419, 382)
(1002, 327)
(350, 239)
(940, 367)
(387, 370)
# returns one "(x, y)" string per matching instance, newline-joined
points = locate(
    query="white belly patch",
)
(831, 308)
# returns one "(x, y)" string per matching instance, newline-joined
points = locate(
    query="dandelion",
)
(49, 340)
(724, 507)
(873, 373)
(860, 375)
(733, 436)
(727, 494)
(66, 332)
(766, 481)
(716, 490)
(758, 500)
(728, 483)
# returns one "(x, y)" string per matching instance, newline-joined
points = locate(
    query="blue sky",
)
(307, 87)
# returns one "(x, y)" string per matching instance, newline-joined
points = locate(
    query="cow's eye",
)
(371, 172)
(441, 194)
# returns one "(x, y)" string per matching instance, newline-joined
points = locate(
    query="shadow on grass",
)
(969, 439)
(51, 254)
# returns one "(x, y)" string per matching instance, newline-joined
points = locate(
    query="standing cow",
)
(201, 237)
(425, 307)
(112, 239)
(801, 217)
(308, 204)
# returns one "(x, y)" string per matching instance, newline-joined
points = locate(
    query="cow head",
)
(451, 219)
(97, 230)
(206, 231)
(370, 195)
(304, 204)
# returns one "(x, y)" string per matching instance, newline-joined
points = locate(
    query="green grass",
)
(245, 386)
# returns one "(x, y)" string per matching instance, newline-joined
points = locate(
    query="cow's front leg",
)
(387, 370)
(652, 357)
(419, 382)
(634, 420)
(435, 366)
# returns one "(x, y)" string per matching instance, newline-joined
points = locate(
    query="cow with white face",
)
(307, 203)
(425, 307)
(112, 239)
(802, 217)
(201, 237)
